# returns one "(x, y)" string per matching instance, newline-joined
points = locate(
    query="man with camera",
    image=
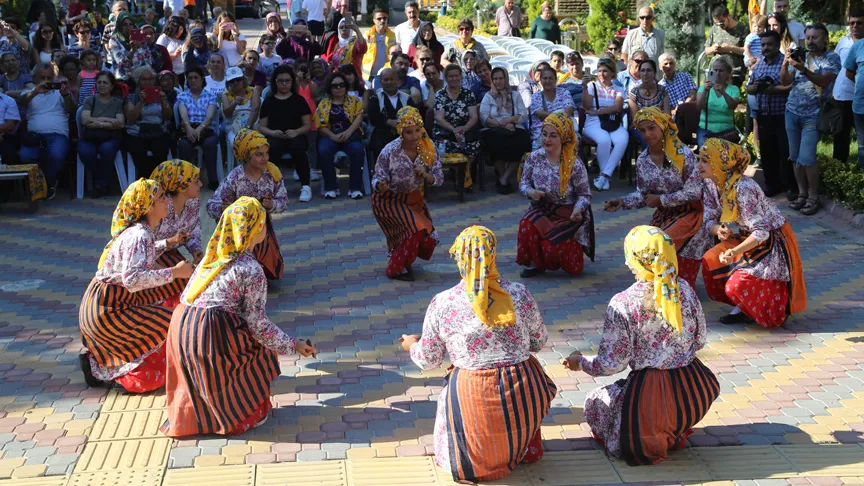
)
(771, 98)
(811, 75)
(46, 141)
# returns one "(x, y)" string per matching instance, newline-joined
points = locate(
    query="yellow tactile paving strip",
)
(124, 455)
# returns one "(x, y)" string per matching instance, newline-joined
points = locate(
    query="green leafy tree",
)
(683, 22)
(604, 21)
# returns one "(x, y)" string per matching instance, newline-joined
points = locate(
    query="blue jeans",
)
(803, 137)
(859, 128)
(327, 149)
(98, 158)
(51, 157)
(210, 145)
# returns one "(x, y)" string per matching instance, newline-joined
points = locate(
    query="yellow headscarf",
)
(474, 252)
(569, 144)
(175, 175)
(133, 205)
(650, 253)
(675, 149)
(245, 144)
(409, 117)
(728, 161)
(239, 224)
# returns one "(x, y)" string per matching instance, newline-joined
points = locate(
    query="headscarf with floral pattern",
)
(408, 116)
(474, 252)
(245, 144)
(569, 144)
(175, 175)
(650, 254)
(728, 161)
(239, 224)
(135, 202)
(675, 149)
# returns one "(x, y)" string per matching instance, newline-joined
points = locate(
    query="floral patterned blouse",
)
(538, 102)
(673, 187)
(539, 174)
(451, 328)
(124, 66)
(704, 240)
(455, 111)
(189, 221)
(241, 289)
(757, 216)
(634, 336)
(131, 261)
(237, 185)
(397, 170)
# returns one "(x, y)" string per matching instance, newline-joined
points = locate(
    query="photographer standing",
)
(811, 75)
(771, 97)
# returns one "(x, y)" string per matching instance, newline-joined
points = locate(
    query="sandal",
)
(798, 203)
(812, 207)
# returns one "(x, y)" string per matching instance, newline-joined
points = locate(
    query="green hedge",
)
(842, 182)
(452, 23)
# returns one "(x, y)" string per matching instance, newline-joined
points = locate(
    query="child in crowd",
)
(89, 71)
(269, 60)
(752, 55)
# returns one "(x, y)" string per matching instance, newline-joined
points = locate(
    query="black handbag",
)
(515, 142)
(609, 122)
(830, 120)
(98, 135)
(150, 131)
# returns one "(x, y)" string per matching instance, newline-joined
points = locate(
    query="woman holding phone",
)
(125, 52)
(147, 110)
(230, 42)
(718, 99)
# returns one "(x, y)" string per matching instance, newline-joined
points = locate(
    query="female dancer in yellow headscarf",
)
(655, 327)
(181, 182)
(667, 179)
(122, 324)
(223, 351)
(559, 225)
(489, 413)
(397, 202)
(260, 179)
(757, 270)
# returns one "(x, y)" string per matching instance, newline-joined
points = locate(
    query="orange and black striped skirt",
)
(401, 216)
(660, 407)
(492, 416)
(168, 259)
(119, 327)
(681, 223)
(269, 255)
(218, 377)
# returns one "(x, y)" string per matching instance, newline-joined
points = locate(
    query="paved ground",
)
(791, 409)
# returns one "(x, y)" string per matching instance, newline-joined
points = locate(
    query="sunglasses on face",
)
(613, 48)
(337, 85)
(425, 59)
(646, 17)
(465, 29)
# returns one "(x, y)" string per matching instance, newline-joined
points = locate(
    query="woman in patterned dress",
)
(559, 225)
(547, 101)
(457, 114)
(655, 327)
(260, 179)
(181, 181)
(667, 179)
(223, 351)
(757, 270)
(122, 324)
(497, 393)
(397, 203)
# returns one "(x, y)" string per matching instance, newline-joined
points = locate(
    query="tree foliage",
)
(603, 21)
(683, 21)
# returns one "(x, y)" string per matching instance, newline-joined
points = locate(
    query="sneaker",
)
(356, 195)
(314, 175)
(52, 192)
(305, 194)
(605, 183)
(330, 195)
(296, 177)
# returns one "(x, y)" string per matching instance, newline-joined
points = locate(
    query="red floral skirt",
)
(148, 376)
(533, 249)
(420, 244)
(765, 301)
(688, 270)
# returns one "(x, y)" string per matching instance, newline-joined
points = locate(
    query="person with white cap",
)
(241, 104)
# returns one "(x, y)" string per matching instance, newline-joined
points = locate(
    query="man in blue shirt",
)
(854, 66)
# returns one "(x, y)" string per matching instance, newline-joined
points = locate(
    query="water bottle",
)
(442, 149)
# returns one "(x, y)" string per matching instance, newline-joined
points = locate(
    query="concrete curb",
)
(844, 214)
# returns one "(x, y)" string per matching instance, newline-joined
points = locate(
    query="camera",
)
(799, 53)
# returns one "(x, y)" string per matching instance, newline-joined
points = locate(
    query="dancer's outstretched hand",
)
(409, 339)
(572, 361)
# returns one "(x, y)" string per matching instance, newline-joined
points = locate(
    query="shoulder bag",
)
(98, 135)
(610, 121)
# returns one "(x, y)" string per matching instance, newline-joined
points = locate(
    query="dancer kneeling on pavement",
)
(397, 203)
(181, 181)
(559, 225)
(122, 324)
(759, 269)
(223, 351)
(261, 180)
(655, 327)
(497, 393)
(667, 179)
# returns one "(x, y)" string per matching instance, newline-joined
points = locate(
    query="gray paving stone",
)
(41, 451)
(62, 459)
(186, 452)
(207, 443)
(304, 456)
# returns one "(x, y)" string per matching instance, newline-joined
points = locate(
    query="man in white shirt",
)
(508, 18)
(406, 31)
(796, 29)
(645, 38)
(844, 88)
(215, 82)
(315, 11)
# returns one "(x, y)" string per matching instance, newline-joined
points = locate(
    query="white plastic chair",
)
(220, 171)
(538, 42)
(517, 76)
(118, 164)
